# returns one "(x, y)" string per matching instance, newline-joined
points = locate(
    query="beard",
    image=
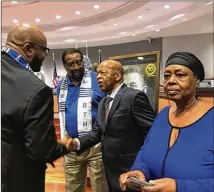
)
(36, 64)
(77, 75)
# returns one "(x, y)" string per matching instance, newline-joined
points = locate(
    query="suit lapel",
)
(116, 102)
(102, 110)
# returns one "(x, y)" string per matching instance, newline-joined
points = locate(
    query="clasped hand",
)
(70, 143)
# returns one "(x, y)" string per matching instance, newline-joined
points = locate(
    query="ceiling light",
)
(122, 33)
(15, 21)
(66, 28)
(77, 12)
(96, 6)
(140, 58)
(26, 25)
(176, 17)
(14, 2)
(157, 30)
(115, 24)
(58, 17)
(140, 17)
(69, 40)
(166, 6)
(209, 3)
(37, 20)
(149, 26)
(133, 35)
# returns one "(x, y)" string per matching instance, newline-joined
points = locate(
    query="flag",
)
(55, 78)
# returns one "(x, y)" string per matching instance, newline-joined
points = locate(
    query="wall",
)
(107, 51)
(201, 45)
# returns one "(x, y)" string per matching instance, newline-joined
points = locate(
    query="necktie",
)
(107, 102)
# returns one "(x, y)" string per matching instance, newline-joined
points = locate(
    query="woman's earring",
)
(197, 94)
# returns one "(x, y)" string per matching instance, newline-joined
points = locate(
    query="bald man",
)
(123, 121)
(28, 139)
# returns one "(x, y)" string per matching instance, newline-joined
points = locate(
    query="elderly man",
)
(78, 96)
(124, 119)
(28, 138)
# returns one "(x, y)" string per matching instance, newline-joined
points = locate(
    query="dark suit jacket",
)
(129, 121)
(28, 139)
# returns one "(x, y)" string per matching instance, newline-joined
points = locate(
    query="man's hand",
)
(123, 178)
(70, 143)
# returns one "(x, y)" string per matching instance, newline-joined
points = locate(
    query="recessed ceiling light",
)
(149, 26)
(209, 3)
(14, 2)
(15, 21)
(166, 6)
(69, 40)
(140, 17)
(133, 35)
(176, 17)
(37, 20)
(122, 33)
(58, 17)
(66, 28)
(140, 58)
(77, 12)
(115, 24)
(157, 30)
(96, 6)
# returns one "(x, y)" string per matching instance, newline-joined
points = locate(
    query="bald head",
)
(30, 43)
(22, 33)
(113, 65)
(109, 75)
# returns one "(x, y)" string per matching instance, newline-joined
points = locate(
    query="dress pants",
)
(76, 166)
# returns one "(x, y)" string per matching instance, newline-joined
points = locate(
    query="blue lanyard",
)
(17, 57)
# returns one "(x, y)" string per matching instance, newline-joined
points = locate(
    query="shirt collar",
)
(68, 80)
(114, 93)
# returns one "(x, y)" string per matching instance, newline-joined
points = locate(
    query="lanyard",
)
(17, 57)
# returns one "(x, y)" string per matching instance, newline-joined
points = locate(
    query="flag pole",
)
(100, 59)
(86, 48)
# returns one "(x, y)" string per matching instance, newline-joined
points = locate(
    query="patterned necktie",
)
(107, 102)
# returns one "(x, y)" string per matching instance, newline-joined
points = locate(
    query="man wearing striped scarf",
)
(78, 97)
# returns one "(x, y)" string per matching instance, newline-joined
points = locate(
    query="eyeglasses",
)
(45, 49)
(73, 63)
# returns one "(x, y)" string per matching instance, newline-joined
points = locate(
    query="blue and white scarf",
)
(84, 116)
(17, 57)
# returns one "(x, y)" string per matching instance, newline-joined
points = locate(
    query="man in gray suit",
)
(123, 121)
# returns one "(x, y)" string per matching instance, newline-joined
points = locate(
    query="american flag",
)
(55, 78)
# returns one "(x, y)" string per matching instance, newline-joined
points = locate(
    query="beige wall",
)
(201, 45)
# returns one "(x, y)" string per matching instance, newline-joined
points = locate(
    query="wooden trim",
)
(136, 55)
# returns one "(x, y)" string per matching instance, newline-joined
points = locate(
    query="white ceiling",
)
(96, 26)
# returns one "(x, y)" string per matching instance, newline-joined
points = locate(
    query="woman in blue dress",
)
(178, 154)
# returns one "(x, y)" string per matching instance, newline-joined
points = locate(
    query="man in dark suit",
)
(28, 139)
(124, 119)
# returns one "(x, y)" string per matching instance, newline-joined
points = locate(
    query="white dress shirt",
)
(113, 94)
